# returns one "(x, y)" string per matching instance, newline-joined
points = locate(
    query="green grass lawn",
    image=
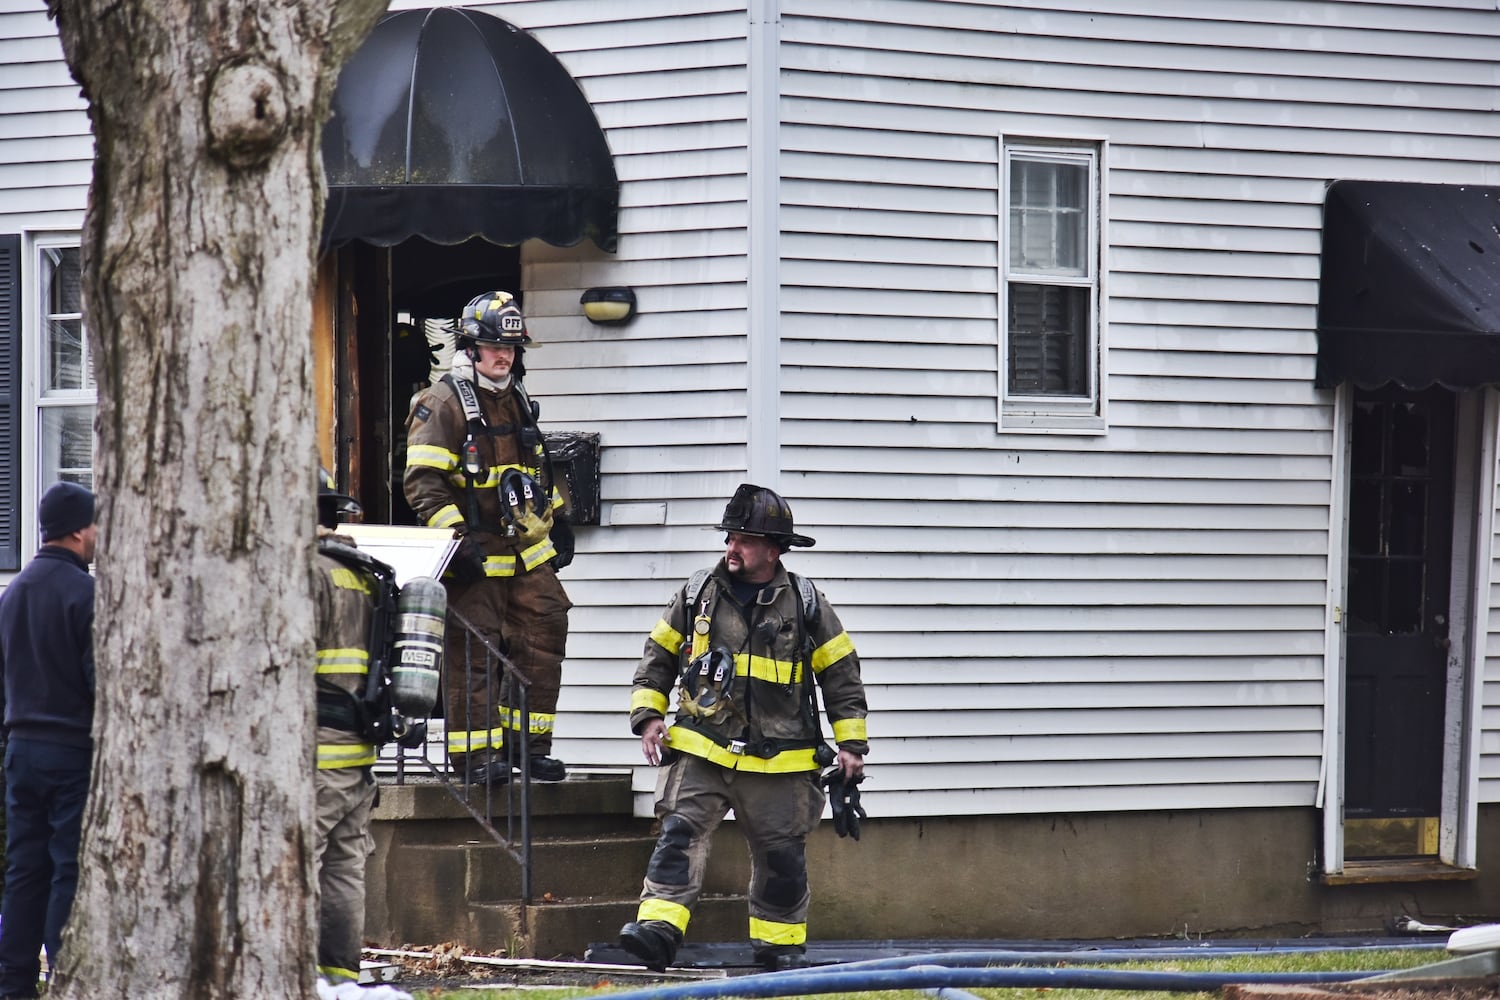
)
(1339, 960)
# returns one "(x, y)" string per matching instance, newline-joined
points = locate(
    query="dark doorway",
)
(393, 297)
(1400, 563)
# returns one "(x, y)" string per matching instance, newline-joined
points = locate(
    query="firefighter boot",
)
(782, 957)
(485, 767)
(544, 768)
(654, 942)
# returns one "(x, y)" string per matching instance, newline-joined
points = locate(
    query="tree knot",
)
(247, 113)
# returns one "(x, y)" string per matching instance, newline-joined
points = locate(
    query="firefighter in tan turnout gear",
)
(744, 644)
(476, 462)
(344, 606)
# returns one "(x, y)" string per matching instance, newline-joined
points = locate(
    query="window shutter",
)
(10, 402)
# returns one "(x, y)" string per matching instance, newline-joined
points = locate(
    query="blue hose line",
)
(838, 979)
(1102, 956)
(947, 992)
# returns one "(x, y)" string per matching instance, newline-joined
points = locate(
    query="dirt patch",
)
(1485, 988)
(447, 968)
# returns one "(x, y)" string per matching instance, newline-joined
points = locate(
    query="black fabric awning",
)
(451, 123)
(1410, 287)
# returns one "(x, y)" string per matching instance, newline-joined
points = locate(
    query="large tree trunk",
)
(198, 255)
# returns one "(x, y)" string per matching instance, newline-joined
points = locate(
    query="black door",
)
(1400, 549)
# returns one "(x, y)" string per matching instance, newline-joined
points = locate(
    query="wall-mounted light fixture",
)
(609, 306)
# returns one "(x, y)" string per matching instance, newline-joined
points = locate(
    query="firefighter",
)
(743, 645)
(344, 601)
(474, 453)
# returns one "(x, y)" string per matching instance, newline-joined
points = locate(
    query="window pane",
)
(67, 445)
(65, 351)
(66, 365)
(1049, 217)
(63, 278)
(1048, 337)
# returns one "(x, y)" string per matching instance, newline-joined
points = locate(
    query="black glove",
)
(414, 737)
(844, 797)
(562, 541)
(467, 564)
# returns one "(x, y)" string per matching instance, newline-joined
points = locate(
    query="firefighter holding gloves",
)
(745, 645)
(476, 462)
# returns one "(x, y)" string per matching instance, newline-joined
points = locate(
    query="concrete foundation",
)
(435, 877)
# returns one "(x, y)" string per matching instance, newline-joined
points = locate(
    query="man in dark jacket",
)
(47, 658)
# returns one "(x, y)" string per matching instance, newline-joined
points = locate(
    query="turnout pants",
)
(776, 812)
(345, 797)
(526, 617)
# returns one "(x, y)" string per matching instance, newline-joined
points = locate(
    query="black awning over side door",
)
(450, 123)
(1410, 286)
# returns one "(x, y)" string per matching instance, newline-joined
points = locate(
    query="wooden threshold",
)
(1376, 870)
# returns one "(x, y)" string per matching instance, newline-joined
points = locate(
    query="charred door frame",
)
(1477, 426)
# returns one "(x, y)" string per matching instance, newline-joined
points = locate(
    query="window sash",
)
(67, 367)
(1051, 322)
(66, 402)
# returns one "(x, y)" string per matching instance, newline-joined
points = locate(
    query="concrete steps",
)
(436, 876)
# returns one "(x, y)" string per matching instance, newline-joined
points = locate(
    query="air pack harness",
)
(528, 438)
(763, 747)
(371, 714)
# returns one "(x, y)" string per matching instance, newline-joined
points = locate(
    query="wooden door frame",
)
(1475, 456)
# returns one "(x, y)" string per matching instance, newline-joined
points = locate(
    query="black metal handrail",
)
(480, 800)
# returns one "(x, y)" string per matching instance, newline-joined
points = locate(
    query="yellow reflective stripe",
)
(336, 755)
(660, 909)
(347, 579)
(334, 974)
(845, 730)
(832, 651)
(499, 565)
(430, 456)
(698, 745)
(541, 722)
(538, 553)
(446, 517)
(557, 499)
(763, 668)
(478, 739)
(492, 474)
(772, 932)
(667, 637)
(343, 661)
(648, 698)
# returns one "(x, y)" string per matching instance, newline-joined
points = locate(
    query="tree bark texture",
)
(196, 874)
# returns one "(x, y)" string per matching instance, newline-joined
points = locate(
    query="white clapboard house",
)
(1132, 364)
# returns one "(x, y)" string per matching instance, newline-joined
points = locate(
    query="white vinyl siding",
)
(46, 149)
(667, 393)
(1134, 620)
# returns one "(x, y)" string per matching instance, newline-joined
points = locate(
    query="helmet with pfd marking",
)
(494, 318)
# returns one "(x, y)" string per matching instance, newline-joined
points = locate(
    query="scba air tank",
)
(418, 648)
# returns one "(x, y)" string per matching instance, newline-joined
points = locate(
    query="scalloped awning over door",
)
(451, 123)
(1410, 286)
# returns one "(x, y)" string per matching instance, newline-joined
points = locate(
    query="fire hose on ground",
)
(945, 975)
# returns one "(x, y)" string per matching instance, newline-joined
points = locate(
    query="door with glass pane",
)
(1400, 564)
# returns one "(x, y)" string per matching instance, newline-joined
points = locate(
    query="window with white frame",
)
(66, 396)
(1050, 330)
